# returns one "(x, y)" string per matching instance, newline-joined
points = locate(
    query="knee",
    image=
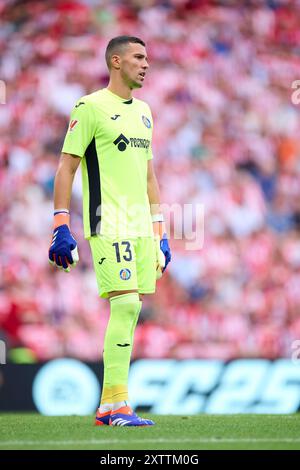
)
(126, 304)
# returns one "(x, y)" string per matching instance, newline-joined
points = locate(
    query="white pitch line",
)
(150, 441)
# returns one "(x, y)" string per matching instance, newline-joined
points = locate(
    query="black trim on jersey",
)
(127, 102)
(94, 186)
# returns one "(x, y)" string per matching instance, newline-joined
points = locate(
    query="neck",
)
(120, 89)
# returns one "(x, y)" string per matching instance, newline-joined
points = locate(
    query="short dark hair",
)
(115, 44)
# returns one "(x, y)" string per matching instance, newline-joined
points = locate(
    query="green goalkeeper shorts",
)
(124, 264)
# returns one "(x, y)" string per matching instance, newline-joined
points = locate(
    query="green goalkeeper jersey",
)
(113, 138)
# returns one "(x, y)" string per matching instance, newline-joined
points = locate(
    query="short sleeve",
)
(81, 129)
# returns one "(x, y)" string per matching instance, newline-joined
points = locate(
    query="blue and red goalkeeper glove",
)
(164, 246)
(163, 252)
(63, 252)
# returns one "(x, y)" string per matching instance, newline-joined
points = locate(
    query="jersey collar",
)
(118, 97)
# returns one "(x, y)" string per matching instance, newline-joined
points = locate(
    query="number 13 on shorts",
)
(124, 264)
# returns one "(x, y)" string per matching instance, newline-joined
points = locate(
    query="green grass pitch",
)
(33, 431)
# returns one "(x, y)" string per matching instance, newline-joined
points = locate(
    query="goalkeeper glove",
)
(163, 252)
(63, 251)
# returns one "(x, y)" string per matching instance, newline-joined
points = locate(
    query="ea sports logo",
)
(121, 142)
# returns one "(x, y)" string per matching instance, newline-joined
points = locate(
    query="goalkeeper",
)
(110, 134)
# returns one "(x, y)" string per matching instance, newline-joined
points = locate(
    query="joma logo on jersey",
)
(122, 142)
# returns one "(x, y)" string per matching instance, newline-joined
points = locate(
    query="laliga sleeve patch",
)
(73, 124)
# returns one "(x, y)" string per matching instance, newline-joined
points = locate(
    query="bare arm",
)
(153, 189)
(63, 249)
(63, 182)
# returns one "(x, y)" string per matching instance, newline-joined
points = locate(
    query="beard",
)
(131, 83)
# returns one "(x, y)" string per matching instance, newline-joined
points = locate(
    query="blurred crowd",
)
(226, 135)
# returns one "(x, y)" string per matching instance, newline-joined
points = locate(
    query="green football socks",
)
(118, 343)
